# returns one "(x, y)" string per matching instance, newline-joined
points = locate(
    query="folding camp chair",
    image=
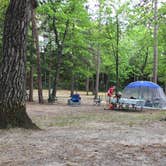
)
(74, 100)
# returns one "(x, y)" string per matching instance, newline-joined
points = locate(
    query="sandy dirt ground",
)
(86, 135)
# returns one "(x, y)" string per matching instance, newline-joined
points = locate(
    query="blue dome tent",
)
(150, 92)
(142, 84)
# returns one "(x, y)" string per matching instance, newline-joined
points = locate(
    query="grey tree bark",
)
(117, 54)
(72, 84)
(31, 84)
(97, 73)
(60, 47)
(12, 70)
(36, 42)
(155, 35)
(98, 56)
(87, 86)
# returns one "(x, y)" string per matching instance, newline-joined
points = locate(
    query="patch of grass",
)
(81, 118)
(74, 120)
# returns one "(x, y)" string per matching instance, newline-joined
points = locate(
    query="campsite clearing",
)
(86, 135)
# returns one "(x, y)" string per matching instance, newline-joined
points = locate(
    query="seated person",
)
(132, 97)
(118, 96)
(148, 103)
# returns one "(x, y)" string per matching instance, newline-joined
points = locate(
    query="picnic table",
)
(125, 103)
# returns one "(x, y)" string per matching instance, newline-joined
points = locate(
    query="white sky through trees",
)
(93, 5)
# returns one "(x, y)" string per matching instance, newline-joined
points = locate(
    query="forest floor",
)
(86, 135)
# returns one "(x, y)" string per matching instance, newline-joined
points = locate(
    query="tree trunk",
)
(31, 84)
(155, 61)
(117, 55)
(87, 86)
(12, 71)
(93, 85)
(107, 83)
(60, 43)
(36, 41)
(72, 85)
(97, 74)
(144, 64)
(58, 69)
(49, 86)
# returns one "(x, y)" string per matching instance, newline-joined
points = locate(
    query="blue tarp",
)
(142, 84)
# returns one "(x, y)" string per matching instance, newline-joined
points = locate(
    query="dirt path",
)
(86, 136)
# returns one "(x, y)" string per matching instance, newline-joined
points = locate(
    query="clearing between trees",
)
(86, 135)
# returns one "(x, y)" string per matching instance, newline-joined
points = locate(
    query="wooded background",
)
(78, 45)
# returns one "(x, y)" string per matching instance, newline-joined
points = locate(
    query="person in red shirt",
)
(110, 94)
(111, 91)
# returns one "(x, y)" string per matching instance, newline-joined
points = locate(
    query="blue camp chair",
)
(74, 100)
